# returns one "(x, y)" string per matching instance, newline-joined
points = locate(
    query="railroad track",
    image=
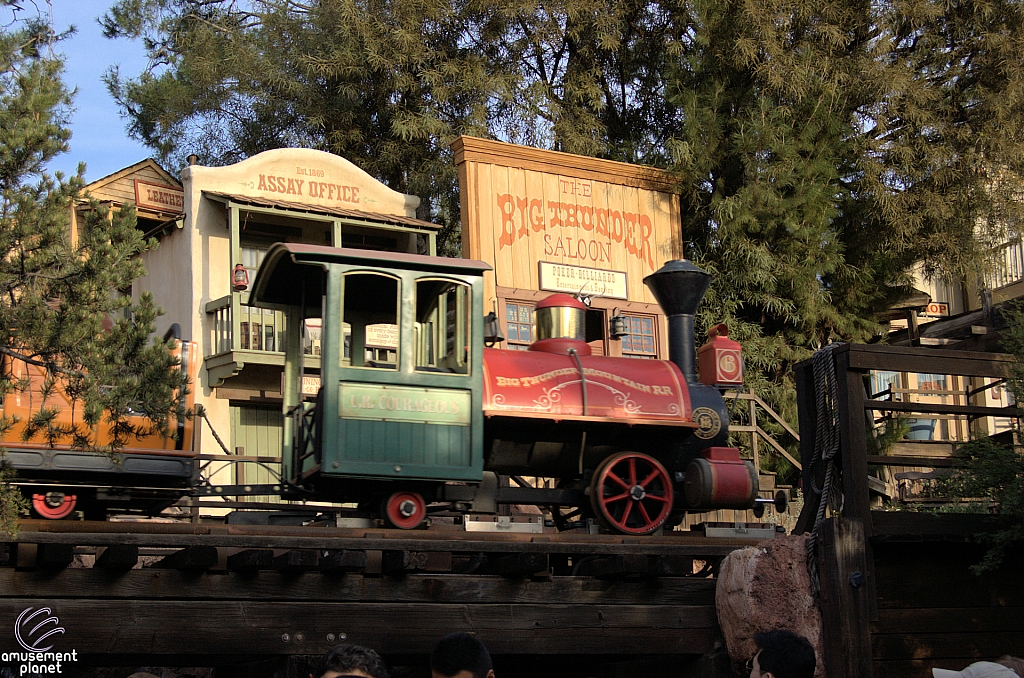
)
(54, 545)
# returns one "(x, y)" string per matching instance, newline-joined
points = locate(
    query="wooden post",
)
(844, 602)
(753, 436)
(853, 441)
(853, 449)
(807, 412)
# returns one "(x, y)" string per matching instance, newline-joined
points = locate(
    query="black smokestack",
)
(679, 287)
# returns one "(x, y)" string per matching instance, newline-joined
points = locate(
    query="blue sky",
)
(99, 136)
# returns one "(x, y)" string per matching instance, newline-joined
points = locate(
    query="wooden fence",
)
(897, 594)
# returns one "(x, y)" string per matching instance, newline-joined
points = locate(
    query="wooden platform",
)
(201, 595)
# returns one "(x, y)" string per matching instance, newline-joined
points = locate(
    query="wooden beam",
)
(190, 558)
(929, 462)
(844, 604)
(251, 560)
(939, 408)
(807, 416)
(615, 567)
(913, 526)
(294, 561)
(44, 556)
(929, 360)
(157, 585)
(118, 557)
(518, 565)
(126, 627)
(780, 449)
(853, 441)
(672, 545)
(342, 561)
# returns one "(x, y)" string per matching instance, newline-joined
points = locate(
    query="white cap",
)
(977, 670)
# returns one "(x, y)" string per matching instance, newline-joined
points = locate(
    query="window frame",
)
(463, 340)
(397, 367)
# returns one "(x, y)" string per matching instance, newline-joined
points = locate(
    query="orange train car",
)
(147, 475)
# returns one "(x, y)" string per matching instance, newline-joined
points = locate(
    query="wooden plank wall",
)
(933, 612)
(569, 627)
(560, 208)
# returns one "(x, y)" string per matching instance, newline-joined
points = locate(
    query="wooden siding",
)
(119, 187)
(933, 612)
(257, 429)
(523, 206)
(426, 450)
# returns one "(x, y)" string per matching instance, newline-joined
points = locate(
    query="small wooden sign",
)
(936, 309)
(382, 336)
(159, 197)
(591, 282)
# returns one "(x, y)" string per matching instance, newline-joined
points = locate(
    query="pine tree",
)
(55, 297)
(590, 75)
(386, 84)
(823, 147)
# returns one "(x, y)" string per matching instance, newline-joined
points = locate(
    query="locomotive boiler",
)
(443, 420)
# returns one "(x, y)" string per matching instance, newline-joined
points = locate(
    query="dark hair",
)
(460, 652)
(785, 654)
(345, 658)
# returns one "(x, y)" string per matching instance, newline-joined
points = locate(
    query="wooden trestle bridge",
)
(201, 595)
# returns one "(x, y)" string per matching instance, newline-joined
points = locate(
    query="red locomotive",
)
(631, 442)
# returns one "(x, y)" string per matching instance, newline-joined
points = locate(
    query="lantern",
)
(492, 330)
(617, 325)
(240, 278)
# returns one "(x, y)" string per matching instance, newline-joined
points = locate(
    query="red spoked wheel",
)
(54, 505)
(632, 493)
(405, 510)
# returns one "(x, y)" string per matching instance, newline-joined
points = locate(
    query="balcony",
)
(1007, 266)
(240, 335)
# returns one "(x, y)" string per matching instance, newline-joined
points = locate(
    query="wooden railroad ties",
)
(123, 591)
(120, 547)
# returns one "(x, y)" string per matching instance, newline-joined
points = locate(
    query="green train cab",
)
(410, 415)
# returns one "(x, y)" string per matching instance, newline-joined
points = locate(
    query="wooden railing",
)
(238, 327)
(843, 553)
(1008, 266)
(754, 430)
(852, 364)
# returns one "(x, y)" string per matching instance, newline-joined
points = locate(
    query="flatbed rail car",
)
(632, 443)
(147, 475)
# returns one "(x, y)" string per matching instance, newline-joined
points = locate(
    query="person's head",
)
(979, 670)
(460, 655)
(782, 654)
(353, 661)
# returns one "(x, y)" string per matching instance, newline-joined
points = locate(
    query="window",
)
(519, 325)
(932, 382)
(369, 301)
(252, 256)
(442, 326)
(639, 339)
(882, 382)
(311, 336)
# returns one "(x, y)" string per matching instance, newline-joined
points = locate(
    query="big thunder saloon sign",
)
(565, 223)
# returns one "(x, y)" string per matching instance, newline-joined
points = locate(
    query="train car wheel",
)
(53, 505)
(405, 510)
(631, 493)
